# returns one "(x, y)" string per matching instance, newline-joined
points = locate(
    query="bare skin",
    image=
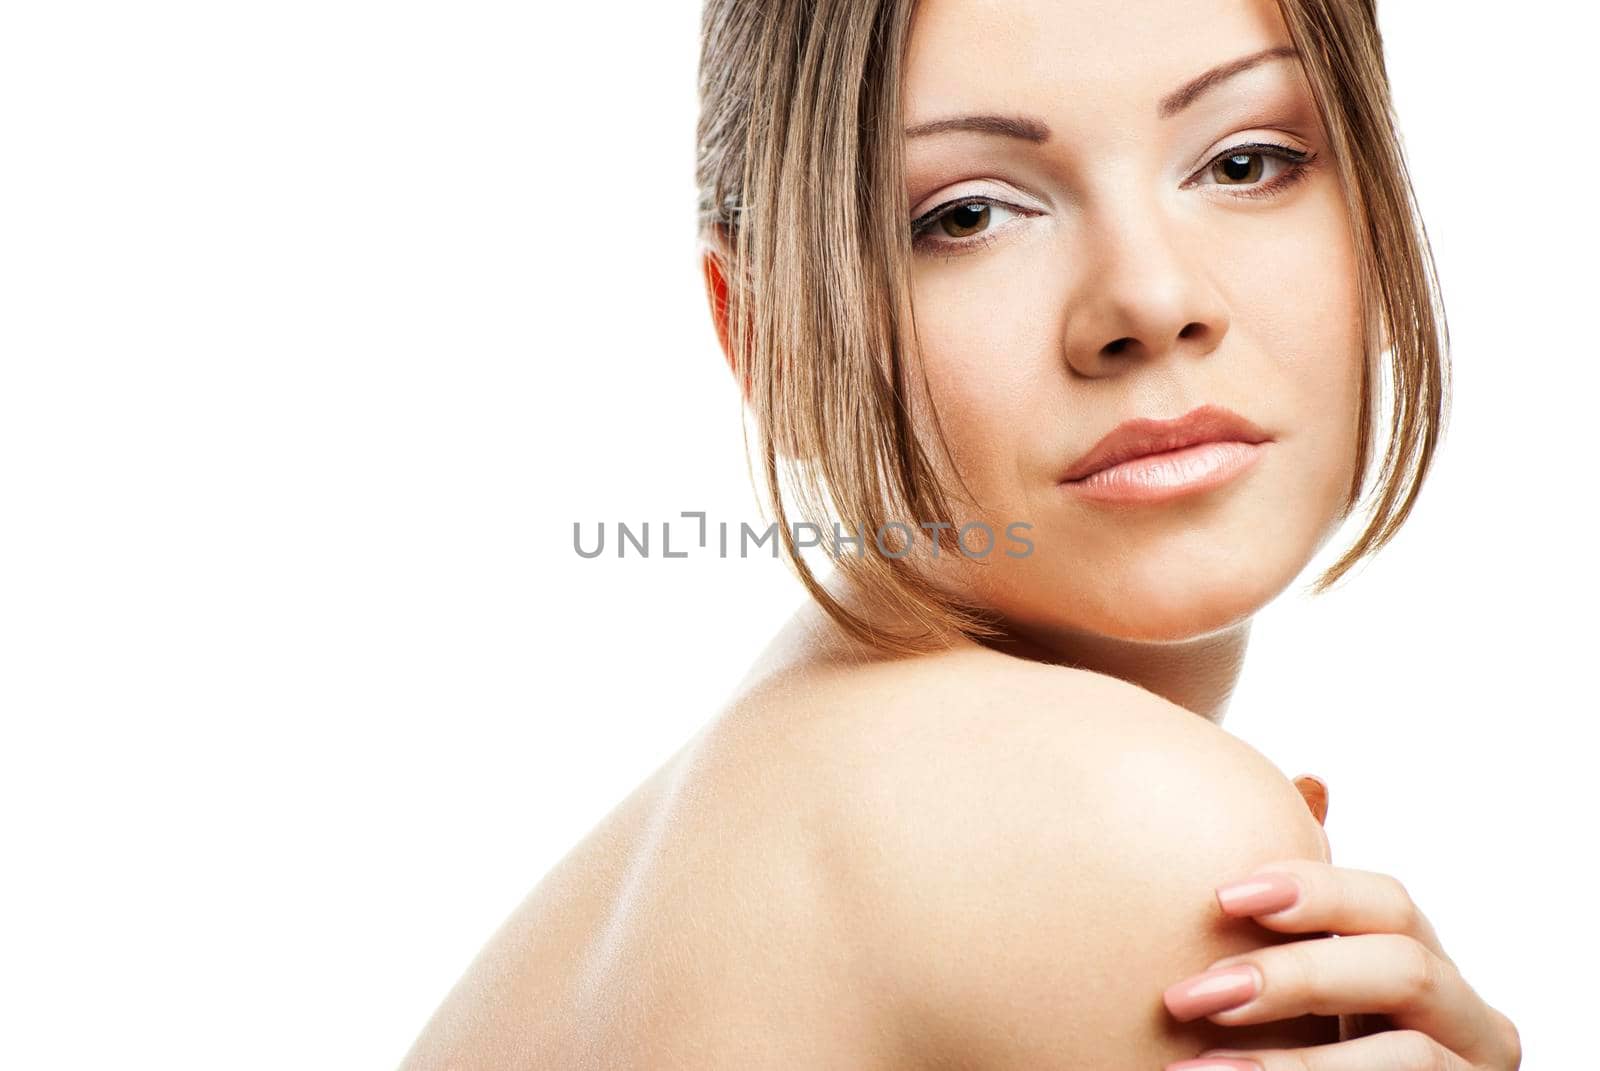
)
(707, 922)
(808, 881)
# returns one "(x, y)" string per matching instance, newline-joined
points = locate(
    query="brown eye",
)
(1239, 169)
(957, 227)
(965, 220)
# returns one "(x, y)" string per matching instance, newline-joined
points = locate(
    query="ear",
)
(713, 262)
(713, 265)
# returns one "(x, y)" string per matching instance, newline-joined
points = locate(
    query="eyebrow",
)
(1030, 129)
(1191, 91)
(1006, 126)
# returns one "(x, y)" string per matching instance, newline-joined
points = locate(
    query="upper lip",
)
(1140, 437)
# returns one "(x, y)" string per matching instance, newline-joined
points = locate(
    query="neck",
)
(1198, 674)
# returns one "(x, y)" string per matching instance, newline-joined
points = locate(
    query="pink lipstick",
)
(1148, 461)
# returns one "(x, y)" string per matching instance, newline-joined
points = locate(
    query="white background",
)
(321, 323)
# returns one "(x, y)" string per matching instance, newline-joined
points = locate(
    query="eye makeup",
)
(1295, 165)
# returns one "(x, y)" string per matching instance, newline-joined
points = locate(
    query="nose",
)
(1146, 295)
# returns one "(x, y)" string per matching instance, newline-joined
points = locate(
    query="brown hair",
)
(802, 205)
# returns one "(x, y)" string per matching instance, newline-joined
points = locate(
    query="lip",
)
(1151, 460)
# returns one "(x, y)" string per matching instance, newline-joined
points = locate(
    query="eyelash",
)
(1298, 163)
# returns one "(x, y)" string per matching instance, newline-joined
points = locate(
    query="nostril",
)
(1117, 346)
(1192, 330)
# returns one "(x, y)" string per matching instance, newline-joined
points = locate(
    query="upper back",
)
(891, 865)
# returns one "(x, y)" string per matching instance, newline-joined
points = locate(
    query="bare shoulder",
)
(1030, 857)
(955, 860)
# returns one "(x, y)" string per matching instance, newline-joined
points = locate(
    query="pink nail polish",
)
(1213, 991)
(1214, 1063)
(1260, 895)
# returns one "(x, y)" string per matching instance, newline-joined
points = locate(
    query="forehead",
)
(1066, 58)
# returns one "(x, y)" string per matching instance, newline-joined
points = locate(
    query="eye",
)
(1243, 168)
(957, 226)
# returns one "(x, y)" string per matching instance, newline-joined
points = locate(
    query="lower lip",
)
(1162, 477)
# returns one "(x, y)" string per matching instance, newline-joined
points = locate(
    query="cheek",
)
(983, 371)
(1298, 293)
(1294, 280)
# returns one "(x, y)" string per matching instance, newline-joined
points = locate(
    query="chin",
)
(1147, 601)
(1185, 609)
(1170, 600)
(1159, 586)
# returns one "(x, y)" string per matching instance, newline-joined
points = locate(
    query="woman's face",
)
(1133, 261)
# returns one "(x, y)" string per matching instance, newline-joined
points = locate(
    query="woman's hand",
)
(1402, 1004)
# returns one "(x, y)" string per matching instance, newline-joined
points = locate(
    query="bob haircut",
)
(802, 207)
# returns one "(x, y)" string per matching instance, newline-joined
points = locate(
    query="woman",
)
(1072, 320)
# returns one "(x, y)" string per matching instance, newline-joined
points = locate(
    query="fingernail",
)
(1214, 1063)
(1213, 991)
(1260, 895)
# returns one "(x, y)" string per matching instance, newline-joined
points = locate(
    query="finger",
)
(1379, 973)
(1315, 792)
(1392, 1050)
(1327, 899)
